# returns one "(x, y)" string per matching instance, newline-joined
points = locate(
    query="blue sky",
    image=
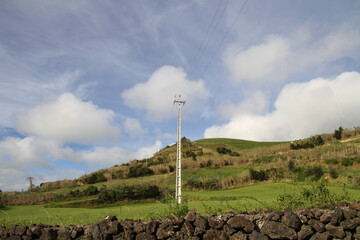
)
(89, 84)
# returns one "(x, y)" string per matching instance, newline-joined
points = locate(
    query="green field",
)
(251, 197)
(236, 143)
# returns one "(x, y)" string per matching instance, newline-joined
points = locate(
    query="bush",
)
(317, 196)
(291, 165)
(347, 162)
(331, 161)
(316, 172)
(338, 133)
(139, 171)
(130, 192)
(95, 177)
(333, 173)
(258, 175)
(307, 143)
(90, 191)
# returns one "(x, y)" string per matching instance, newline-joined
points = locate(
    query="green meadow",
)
(245, 198)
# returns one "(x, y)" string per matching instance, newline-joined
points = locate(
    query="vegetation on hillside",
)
(213, 164)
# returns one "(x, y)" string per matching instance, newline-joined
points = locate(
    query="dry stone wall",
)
(337, 222)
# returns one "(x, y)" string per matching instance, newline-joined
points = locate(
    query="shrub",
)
(95, 178)
(191, 154)
(131, 192)
(333, 173)
(209, 163)
(223, 150)
(139, 171)
(291, 165)
(347, 162)
(171, 168)
(307, 143)
(331, 161)
(316, 196)
(338, 133)
(316, 172)
(258, 175)
(90, 191)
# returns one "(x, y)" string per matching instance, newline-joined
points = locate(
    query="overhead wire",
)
(225, 36)
(206, 39)
(212, 32)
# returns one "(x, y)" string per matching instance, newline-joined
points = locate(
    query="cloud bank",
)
(157, 94)
(301, 110)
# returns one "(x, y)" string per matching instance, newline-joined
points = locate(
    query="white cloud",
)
(301, 110)
(255, 103)
(106, 157)
(68, 119)
(20, 158)
(278, 56)
(157, 94)
(265, 61)
(133, 127)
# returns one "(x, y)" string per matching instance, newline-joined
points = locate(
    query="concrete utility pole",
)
(178, 157)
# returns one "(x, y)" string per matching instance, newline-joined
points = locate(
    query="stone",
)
(325, 218)
(303, 219)
(228, 230)
(290, 219)
(275, 216)
(242, 223)
(48, 234)
(350, 224)
(337, 232)
(114, 228)
(336, 217)
(201, 222)
(199, 231)
(110, 218)
(77, 232)
(255, 235)
(144, 236)
(63, 233)
(161, 233)
(318, 214)
(239, 236)
(321, 236)
(152, 226)
(317, 225)
(213, 234)
(350, 213)
(189, 228)
(139, 227)
(20, 230)
(216, 223)
(305, 233)
(277, 230)
(191, 216)
(308, 214)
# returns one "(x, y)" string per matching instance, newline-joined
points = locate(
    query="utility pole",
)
(178, 157)
(31, 183)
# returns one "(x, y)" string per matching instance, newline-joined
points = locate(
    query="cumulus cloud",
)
(157, 94)
(278, 56)
(255, 103)
(68, 119)
(133, 127)
(20, 156)
(266, 60)
(301, 110)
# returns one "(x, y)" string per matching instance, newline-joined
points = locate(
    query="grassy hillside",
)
(214, 172)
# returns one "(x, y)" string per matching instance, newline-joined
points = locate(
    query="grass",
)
(236, 143)
(247, 198)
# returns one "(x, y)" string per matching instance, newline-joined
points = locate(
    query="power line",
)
(225, 36)
(198, 56)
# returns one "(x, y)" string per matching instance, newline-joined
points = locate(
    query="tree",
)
(338, 133)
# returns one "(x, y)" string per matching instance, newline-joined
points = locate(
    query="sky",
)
(86, 84)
